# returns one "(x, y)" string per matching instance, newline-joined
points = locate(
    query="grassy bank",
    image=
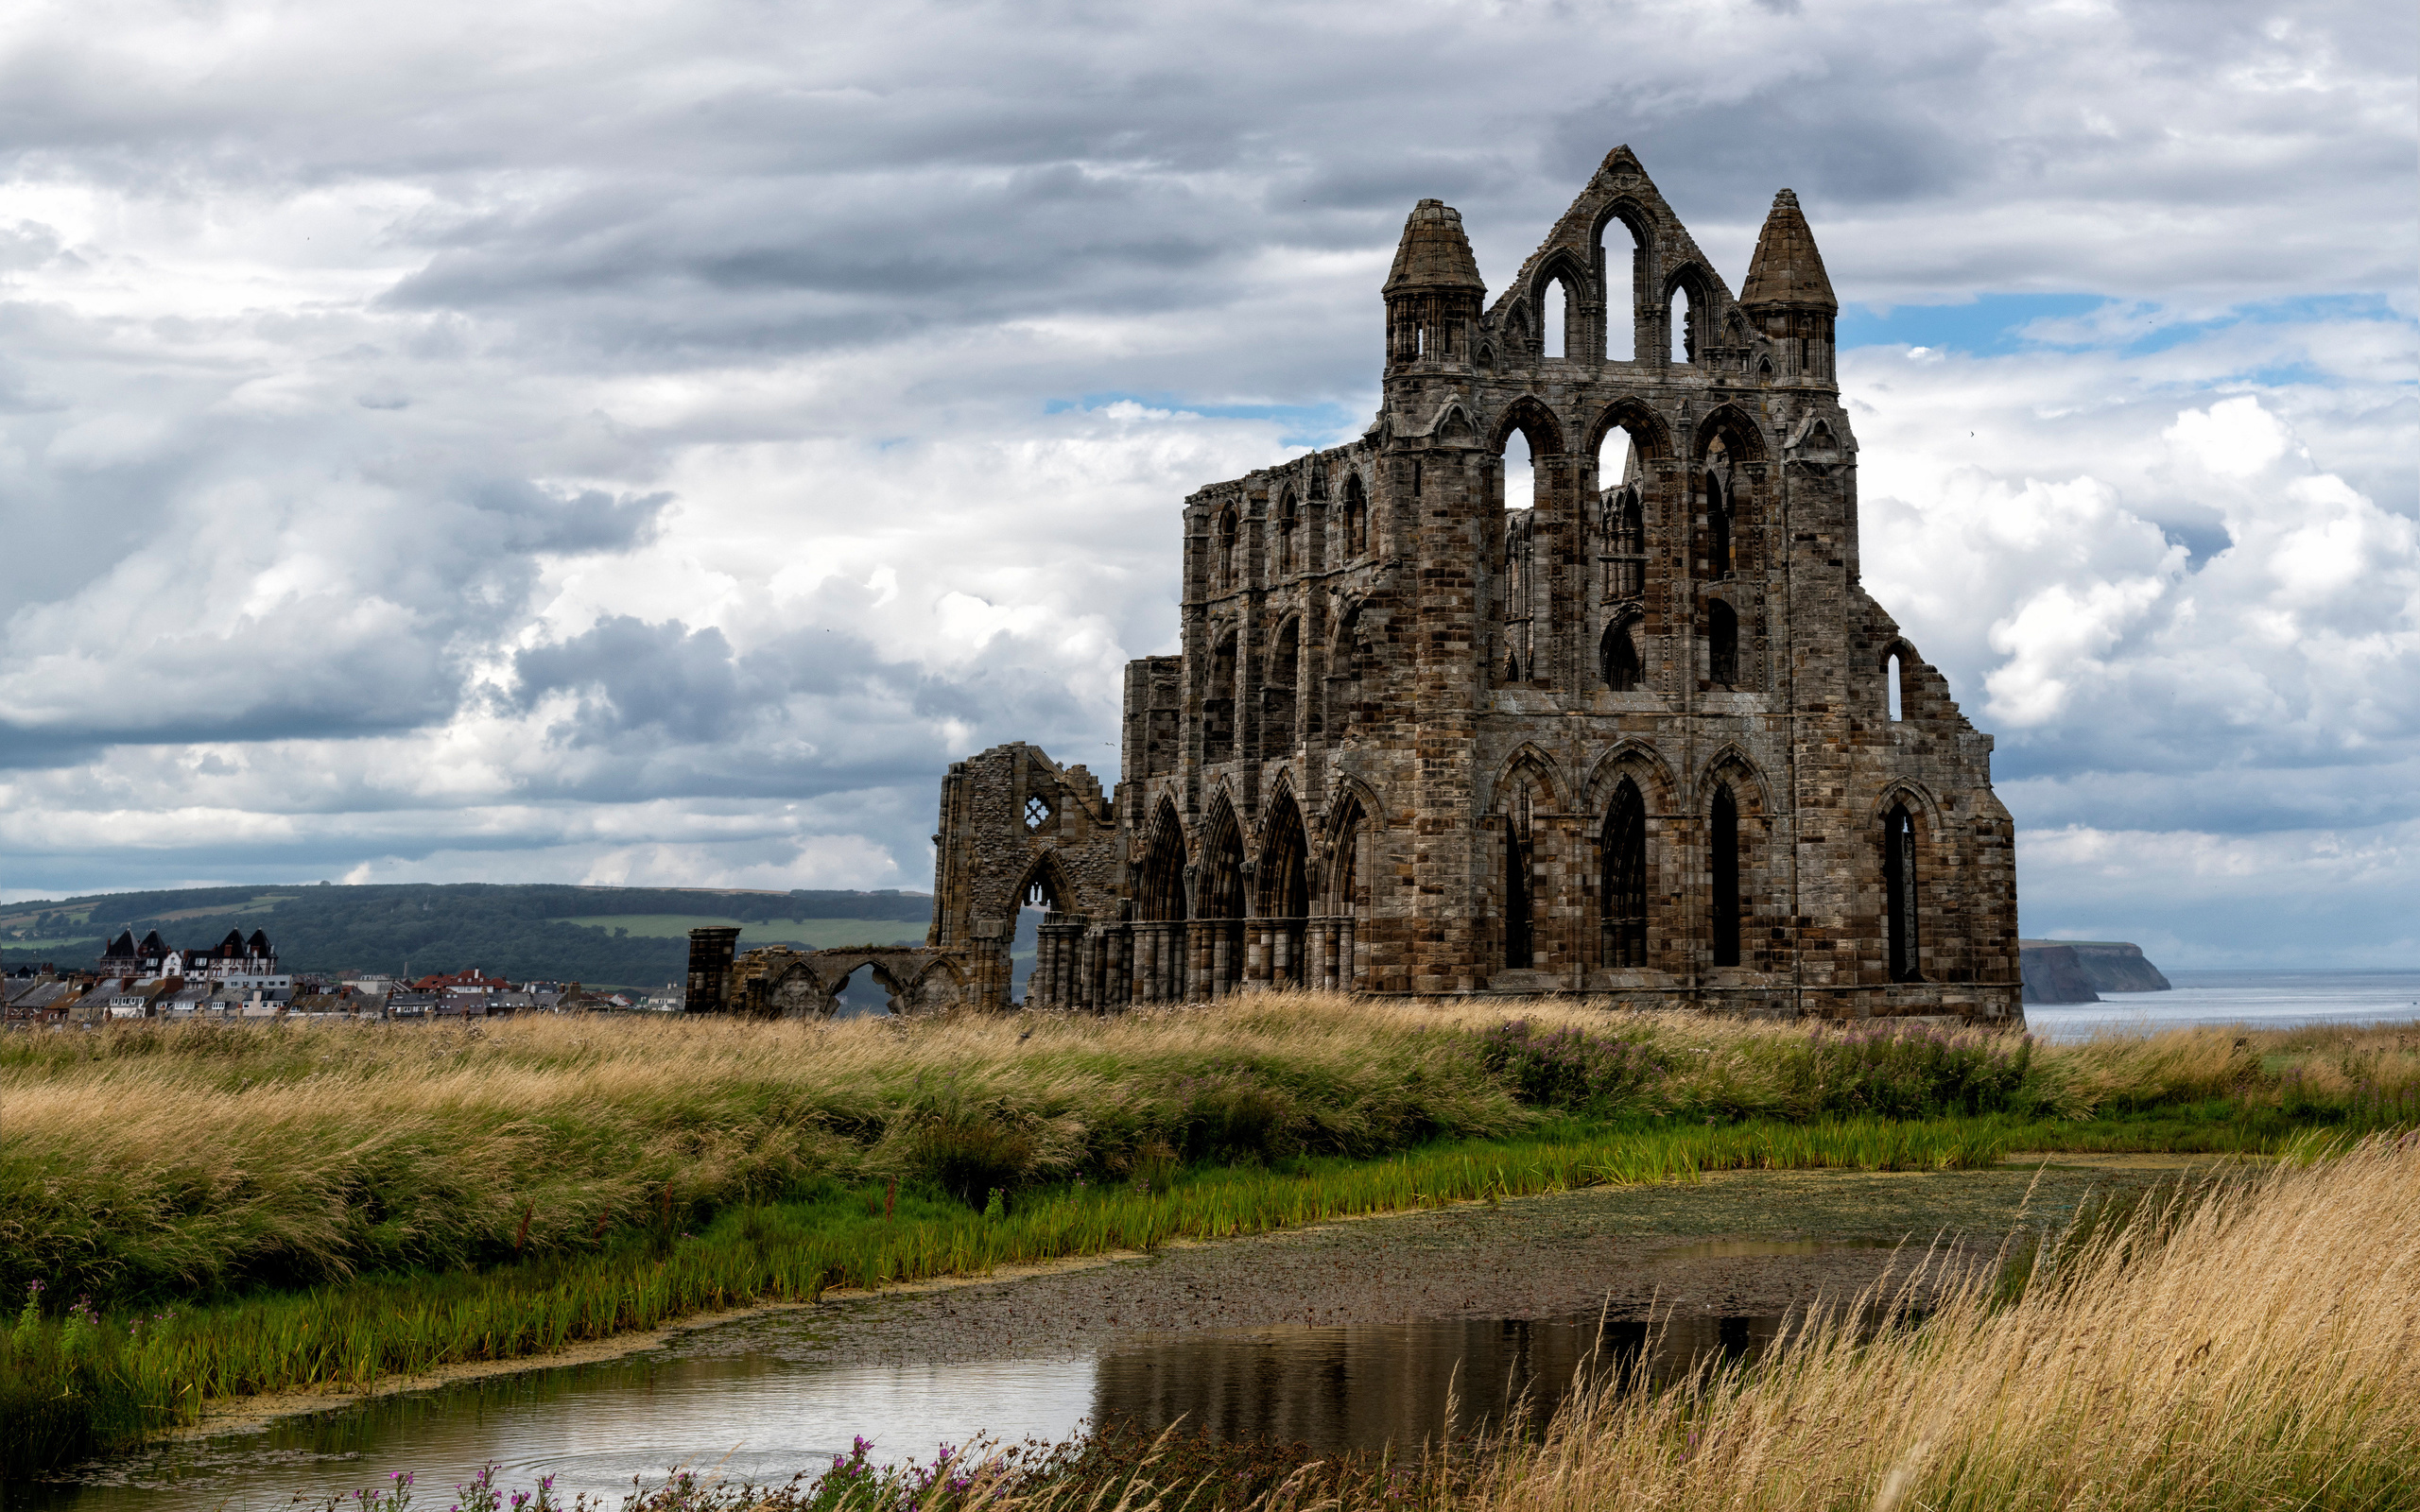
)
(2244, 1347)
(253, 1210)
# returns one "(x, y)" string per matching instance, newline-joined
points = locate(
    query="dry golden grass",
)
(2251, 1347)
(142, 1160)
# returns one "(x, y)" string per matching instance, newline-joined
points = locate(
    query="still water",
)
(2264, 1000)
(764, 1414)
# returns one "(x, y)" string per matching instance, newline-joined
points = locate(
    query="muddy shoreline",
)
(1738, 1243)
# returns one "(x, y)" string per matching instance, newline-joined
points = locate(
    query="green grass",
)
(815, 934)
(331, 1208)
(81, 1386)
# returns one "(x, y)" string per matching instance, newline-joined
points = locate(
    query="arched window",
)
(1722, 644)
(1226, 563)
(1286, 535)
(1554, 318)
(1622, 906)
(1891, 687)
(1519, 945)
(1618, 658)
(1899, 888)
(1355, 518)
(1685, 331)
(1715, 492)
(1218, 703)
(1764, 369)
(1724, 868)
(1621, 255)
(1277, 692)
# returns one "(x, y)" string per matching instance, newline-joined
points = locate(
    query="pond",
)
(1351, 1335)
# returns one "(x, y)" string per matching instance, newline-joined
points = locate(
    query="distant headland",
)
(2079, 971)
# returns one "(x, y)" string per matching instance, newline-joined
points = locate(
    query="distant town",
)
(239, 978)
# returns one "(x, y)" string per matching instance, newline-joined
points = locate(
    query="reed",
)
(157, 1373)
(141, 1164)
(2237, 1346)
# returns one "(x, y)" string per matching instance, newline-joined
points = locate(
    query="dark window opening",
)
(1355, 518)
(1218, 704)
(1717, 527)
(1899, 887)
(1723, 644)
(1620, 658)
(1519, 944)
(1277, 694)
(1226, 564)
(1623, 905)
(1725, 869)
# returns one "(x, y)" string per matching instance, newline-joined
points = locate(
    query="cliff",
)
(2079, 971)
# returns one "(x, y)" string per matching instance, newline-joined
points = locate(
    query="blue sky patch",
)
(1994, 325)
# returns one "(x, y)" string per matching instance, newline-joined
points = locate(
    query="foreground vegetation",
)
(2240, 1344)
(195, 1211)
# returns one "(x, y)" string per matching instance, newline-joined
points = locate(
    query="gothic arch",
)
(1218, 882)
(1915, 797)
(1160, 889)
(1638, 761)
(1530, 754)
(1732, 764)
(1649, 437)
(1529, 415)
(1280, 870)
(1639, 219)
(1742, 438)
(1047, 876)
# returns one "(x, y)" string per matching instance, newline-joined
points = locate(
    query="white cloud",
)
(458, 443)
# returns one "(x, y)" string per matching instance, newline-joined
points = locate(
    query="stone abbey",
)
(1641, 734)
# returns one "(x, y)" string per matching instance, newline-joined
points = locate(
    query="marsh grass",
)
(333, 1206)
(2239, 1344)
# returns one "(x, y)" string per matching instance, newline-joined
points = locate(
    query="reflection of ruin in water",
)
(1367, 1387)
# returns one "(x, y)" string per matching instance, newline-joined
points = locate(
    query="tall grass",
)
(2240, 1346)
(87, 1385)
(2251, 1348)
(147, 1163)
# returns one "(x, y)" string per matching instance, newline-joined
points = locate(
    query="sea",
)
(2261, 1000)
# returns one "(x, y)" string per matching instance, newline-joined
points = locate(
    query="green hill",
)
(617, 936)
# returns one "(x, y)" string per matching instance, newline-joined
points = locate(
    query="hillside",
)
(618, 936)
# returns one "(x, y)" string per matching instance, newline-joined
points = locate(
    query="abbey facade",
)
(1639, 733)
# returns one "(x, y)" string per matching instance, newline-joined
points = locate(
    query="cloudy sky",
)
(643, 442)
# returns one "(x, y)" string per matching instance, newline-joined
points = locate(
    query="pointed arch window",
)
(1721, 644)
(1555, 312)
(1226, 558)
(1618, 657)
(1899, 891)
(1723, 867)
(1519, 936)
(1893, 691)
(1683, 311)
(1622, 906)
(1356, 525)
(1286, 523)
(1715, 492)
(1622, 252)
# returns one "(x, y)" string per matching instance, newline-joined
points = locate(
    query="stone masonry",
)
(1644, 734)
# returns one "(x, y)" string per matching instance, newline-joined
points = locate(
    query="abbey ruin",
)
(1639, 733)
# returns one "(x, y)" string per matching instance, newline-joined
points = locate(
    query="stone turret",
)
(1789, 296)
(1433, 292)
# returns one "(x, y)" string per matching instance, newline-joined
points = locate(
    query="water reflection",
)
(1347, 1389)
(761, 1416)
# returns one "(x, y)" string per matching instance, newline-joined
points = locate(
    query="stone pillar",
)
(710, 956)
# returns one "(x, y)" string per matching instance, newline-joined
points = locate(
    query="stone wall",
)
(1633, 735)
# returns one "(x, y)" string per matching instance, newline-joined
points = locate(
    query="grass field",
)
(2241, 1345)
(330, 1206)
(815, 934)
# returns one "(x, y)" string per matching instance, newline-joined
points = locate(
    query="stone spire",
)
(1434, 253)
(1787, 269)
